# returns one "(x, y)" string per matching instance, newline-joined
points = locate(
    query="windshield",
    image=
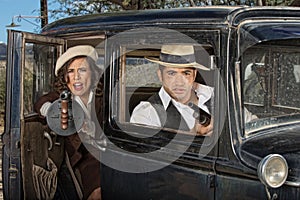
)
(271, 83)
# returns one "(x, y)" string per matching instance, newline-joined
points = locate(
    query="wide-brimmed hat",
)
(177, 55)
(80, 50)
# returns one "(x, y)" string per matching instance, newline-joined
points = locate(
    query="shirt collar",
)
(165, 97)
(203, 92)
(86, 109)
(78, 99)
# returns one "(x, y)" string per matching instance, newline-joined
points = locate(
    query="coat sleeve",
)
(50, 97)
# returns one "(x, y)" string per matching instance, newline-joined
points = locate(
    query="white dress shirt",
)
(88, 126)
(145, 113)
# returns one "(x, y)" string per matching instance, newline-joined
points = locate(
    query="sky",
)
(11, 8)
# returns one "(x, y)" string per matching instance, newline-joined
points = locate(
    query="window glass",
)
(254, 84)
(135, 80)
(271, 85)
(38, 73)
(139, 81)
(141, 73)
(287, 79)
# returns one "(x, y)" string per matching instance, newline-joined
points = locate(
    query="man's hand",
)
(95, 195)
(204, 130)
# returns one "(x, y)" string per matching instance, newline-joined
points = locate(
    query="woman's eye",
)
(82, 70)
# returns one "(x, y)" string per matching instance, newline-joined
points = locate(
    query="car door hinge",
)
(212, 180)
(13, 171)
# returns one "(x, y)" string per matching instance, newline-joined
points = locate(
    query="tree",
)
(80, 7)
(295, 3)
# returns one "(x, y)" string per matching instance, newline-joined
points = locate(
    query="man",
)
(170, 107)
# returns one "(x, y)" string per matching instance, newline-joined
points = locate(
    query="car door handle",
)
(48, 137)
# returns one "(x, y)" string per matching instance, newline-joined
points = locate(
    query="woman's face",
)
(79, 76)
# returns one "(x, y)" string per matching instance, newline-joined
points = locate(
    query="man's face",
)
(79, 75)
(178, 82)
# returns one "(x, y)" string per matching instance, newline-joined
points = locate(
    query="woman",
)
(76, 71)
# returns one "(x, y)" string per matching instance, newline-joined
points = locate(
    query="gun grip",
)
(64, 114)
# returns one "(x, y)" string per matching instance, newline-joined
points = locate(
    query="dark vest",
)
(170, 118)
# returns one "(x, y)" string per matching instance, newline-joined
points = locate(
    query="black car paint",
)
(229, 171)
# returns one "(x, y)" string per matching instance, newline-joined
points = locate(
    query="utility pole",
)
(44, 13)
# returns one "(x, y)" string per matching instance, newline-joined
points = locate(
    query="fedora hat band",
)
(176, 59)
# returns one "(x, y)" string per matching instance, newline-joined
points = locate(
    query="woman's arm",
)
(44, 102)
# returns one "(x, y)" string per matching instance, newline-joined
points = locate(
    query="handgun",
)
(200, 115)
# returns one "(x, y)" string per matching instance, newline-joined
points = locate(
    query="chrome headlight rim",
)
(265, 164)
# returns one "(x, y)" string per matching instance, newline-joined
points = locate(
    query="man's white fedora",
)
(177, 55)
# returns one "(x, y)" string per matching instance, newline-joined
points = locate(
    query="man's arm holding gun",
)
(203, 123)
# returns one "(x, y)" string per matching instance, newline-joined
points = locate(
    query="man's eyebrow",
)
(187, 70)
(171, 70)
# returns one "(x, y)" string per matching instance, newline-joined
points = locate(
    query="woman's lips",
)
(78, 86)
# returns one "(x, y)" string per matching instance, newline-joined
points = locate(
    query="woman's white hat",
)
(80, 50)
(177, 55)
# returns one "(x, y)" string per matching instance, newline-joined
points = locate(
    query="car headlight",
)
(273, 170)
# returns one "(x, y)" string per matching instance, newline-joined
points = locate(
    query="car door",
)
(143, 161)
(28, 146)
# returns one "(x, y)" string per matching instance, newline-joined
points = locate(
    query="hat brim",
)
(177, 65)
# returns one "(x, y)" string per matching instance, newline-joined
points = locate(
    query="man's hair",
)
(161, 68)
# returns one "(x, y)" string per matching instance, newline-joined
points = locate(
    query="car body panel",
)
(228, 170)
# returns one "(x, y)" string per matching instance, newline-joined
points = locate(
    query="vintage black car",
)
(254, 58)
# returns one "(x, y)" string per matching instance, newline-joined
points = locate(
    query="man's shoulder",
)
(204, 87)
(143, 105)
(155, 99)
(142, 113)
(204, 90)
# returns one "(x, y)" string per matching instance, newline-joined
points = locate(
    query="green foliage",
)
(80, 7)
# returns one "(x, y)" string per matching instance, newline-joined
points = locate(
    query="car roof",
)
(143, 17)
(166, 18)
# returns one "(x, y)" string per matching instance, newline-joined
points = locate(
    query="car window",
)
(139, 81)
(271, 84)
(38, 73)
